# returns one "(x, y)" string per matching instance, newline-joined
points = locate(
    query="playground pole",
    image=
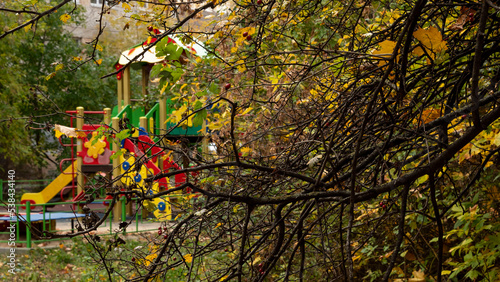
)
(126, 86)
(116, 169)
(28, 224)
(143, 121)
(119, 90)
(107, 115)
(79, 148)
(151, 128)
(163, 115)
(205, 140)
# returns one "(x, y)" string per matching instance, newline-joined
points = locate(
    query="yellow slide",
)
(51, 190)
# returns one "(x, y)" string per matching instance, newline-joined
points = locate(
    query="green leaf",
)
(116, 155)
(176, 74)
(123, 134)
(155, 70)
(197, 105)
(200, 117)
(214, 88)
(445, 272)
(171, 51)
(466, 242)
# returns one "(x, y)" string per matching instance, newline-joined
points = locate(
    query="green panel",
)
(153, 111)
(114, 112)
(179, 131)
(157, 121)
(155, 114)
(127, 110)
(136, 115)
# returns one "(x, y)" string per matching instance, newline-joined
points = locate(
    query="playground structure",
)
(93, 149)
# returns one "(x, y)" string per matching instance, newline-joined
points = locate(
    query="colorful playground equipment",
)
(93, 149)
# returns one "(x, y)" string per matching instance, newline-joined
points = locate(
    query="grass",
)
(76, 260)
(70, 261)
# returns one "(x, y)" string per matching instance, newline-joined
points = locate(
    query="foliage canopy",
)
(37, 80)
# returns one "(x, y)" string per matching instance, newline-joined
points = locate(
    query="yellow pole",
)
(107, 116)
(204, 142)
(126, 87)
(151, 127)
(163, 125)
(143, 122)
(163, 115)
(119, 90)
(117, 209)
(79, 148)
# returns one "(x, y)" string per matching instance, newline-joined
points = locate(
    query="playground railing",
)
(24, 222)
(132, 114)
(152, 116)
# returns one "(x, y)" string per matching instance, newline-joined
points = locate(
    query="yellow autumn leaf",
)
(218, 224)
(418, 51)
(188, 258)
(421, 179)
(385, 51)
(417, 276)
(223, 278)
(246, 151)
(177, 115)
(77, 59)
(251, 31)
(164, 88)
(432, 40)
(50, 76)
(496, 139)
(167, 155)
(386, 48)
(148, 259)
(65, 18)
(98, 62)
(235, 208)
(126, 6)
(256, 260)
(216, 2)
(241, 66)
(247, 111)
